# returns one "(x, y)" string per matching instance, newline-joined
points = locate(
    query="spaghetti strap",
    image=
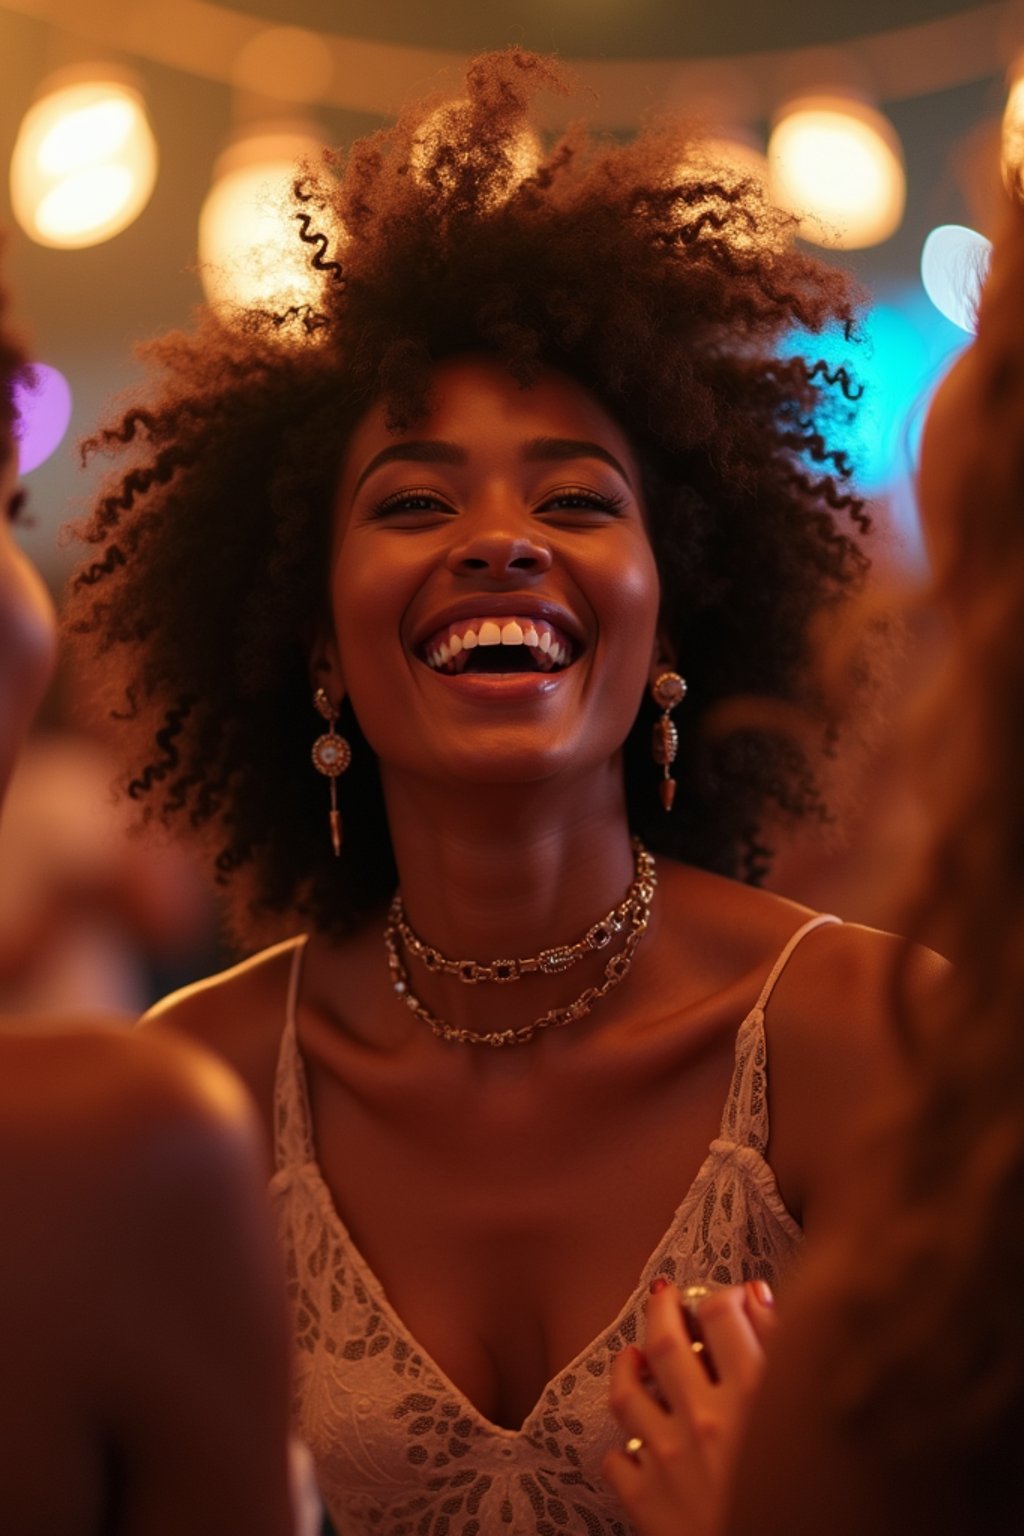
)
(293, 1133)
(745, 1118)
(787, 953)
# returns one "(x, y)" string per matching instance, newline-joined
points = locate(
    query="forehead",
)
(476, 403)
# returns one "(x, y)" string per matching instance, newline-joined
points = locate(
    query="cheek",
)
(369, 598)
(631, 601)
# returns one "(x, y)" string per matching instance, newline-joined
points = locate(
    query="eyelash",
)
(402, 501)
(601, 501)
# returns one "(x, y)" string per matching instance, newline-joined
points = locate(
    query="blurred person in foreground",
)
(144, 1386)
(894, 1395)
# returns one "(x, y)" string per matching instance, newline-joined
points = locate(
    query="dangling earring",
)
(667, 690)
(331, 756)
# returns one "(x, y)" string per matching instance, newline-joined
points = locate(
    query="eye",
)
(414, 508)
(579, 504)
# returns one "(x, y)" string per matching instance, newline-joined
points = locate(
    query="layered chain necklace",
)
(631, 916)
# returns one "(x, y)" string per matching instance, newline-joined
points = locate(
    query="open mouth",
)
(498, 645)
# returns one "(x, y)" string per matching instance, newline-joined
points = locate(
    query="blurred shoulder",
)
(93, 1092)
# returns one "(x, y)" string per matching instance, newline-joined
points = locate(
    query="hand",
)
(676, 1481)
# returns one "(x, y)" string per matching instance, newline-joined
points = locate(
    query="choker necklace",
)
(550, 961)
(632, 913)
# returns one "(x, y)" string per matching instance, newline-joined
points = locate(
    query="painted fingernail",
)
(659, 1283)
(762, 1292)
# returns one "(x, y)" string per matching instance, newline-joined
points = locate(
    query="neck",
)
(505, 872)
(502, 870)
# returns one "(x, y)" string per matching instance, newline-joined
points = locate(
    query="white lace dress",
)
(398, 1448)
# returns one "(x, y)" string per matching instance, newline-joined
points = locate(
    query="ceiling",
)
(942, 88)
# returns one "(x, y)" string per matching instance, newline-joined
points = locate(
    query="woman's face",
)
(27, 629)
(493, 588)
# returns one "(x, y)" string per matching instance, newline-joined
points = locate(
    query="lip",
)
(483, 605)
(502, 687)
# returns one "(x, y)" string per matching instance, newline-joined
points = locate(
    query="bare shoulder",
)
(833, 1028)
(238, 1014)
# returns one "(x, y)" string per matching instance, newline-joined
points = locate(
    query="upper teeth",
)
(548, 645)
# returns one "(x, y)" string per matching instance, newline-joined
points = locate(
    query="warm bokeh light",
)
(837, 165)
(954, 261)
(449, 124)
(249, 242)
(84, 163)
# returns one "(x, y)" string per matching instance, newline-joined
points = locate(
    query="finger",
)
(729, 1334)
(630, 1399)
(760, 1308)
(624, 1474)
(677, 1367)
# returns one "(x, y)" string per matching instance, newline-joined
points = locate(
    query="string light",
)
(84, 163)
(837, 165)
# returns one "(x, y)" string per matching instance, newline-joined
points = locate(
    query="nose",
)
(500, 553)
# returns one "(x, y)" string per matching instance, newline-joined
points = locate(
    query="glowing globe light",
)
(837, 165)
(84, 164)
(954, 261)
(249, 245)
(42, 398)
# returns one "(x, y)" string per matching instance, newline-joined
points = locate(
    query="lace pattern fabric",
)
(398, 1448)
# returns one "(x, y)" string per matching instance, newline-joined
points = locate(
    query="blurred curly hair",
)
(13, 363)
(663, 284)
(929, 1270)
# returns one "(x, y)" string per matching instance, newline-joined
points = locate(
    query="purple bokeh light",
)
(42, 396)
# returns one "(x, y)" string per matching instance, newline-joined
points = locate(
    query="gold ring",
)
(634, 1445)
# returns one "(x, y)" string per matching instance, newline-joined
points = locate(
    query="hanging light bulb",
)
(249, 246)
(84, 162)
(837, 165)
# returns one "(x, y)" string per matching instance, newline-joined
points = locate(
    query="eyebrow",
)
(539, 450)
(429, 451)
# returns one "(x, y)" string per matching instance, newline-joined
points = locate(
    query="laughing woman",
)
(533, 459)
